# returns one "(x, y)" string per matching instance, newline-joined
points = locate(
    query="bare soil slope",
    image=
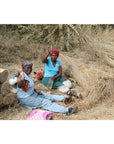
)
(90, 108)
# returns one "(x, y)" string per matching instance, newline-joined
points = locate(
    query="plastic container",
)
(50, 84)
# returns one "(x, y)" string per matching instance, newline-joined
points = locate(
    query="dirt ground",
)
(101, 111)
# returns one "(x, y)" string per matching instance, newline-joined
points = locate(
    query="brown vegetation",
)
(87, 56)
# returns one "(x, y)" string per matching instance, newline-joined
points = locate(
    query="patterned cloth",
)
(26, 63)
(40, 115)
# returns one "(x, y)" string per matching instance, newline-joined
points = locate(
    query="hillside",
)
(89, 62)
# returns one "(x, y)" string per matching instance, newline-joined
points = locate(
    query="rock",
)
(5, 88)
(1, 99)
(9, 99)
(3, 75)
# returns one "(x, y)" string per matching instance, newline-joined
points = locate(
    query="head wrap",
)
(55, 51)
(26, 63)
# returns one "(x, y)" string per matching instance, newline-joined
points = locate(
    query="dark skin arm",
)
(44, 60)
(21, 82)
(58, 75)
(38, 91)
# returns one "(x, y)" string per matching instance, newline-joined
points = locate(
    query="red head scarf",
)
(55, 51)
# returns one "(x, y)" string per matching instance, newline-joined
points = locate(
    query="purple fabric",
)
(26, 63)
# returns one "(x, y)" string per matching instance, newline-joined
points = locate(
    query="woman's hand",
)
(44, 60)
(52, 78)
(49, 49)
(22, 77)
(20, 81)
(38, 91)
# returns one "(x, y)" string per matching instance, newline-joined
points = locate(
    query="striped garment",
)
(40, 115)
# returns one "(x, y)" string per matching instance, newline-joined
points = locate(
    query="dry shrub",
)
(102, 91)
(84, 74)
(24, 40)
(13, 52)
(100, 44)
(97, 80)
(100, 47)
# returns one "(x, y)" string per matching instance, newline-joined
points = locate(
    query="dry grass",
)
(28, 41)
(98, 96)
(99, 45)
(13, 52)
(102, 91)
(96, 80)
(90, 66)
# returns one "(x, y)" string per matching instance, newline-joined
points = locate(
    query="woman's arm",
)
(44, 60)
(59, 73)
(21, 80)
(38, 91)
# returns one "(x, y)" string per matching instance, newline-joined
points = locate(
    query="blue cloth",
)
(44, 101)
(32, 100)
(50, 69)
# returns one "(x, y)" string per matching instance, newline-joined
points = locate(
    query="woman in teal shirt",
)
(53, 71)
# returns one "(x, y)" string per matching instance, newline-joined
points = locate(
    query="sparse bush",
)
(24, 40)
